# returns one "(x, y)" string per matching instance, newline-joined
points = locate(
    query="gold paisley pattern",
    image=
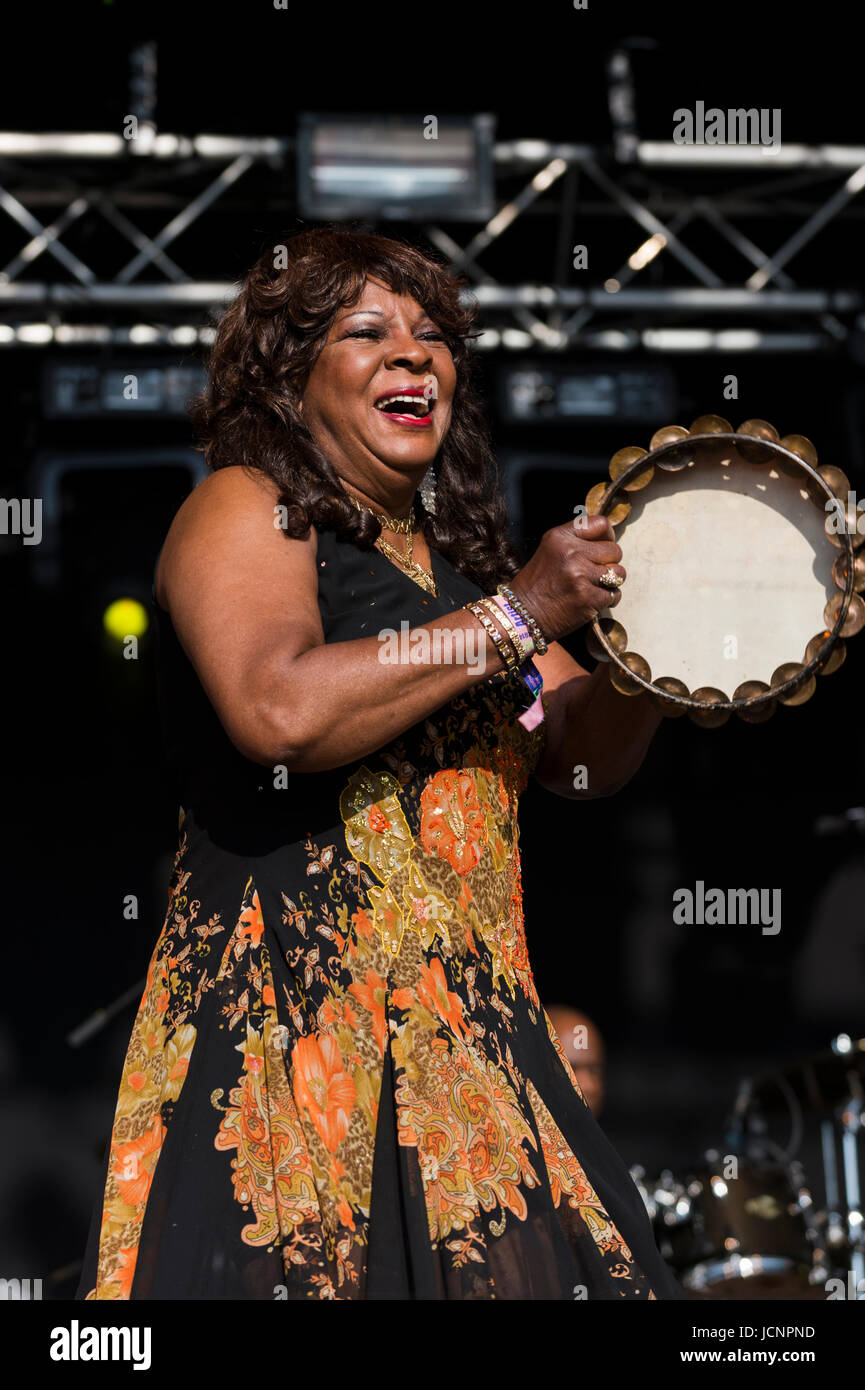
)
(157, 1061)
(472, 1140)
(567, 1179)
(388, 945)
(271, 1171)
(376, 830)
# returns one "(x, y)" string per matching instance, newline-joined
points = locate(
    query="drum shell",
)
(752, 1218)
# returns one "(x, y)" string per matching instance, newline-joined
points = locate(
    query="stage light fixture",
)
(125, 617)
(395, 168)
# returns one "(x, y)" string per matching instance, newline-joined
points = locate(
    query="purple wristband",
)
(519, 622)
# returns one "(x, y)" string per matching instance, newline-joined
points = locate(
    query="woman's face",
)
(385, 344)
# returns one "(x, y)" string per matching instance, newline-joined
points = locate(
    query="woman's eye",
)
(375, 333)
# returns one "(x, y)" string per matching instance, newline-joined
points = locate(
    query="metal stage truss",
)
(53, 185)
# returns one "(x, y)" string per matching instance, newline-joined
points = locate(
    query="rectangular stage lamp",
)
(551, 393)
(90, 388)
(395, 168)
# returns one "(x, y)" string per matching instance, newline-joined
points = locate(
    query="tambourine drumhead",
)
(743, 573)
(729, 572)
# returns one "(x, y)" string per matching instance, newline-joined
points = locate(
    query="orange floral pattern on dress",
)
(433, 991)
(157, 1061)
(393, 939)
(134, 1163)
(568, 1179)
(453, 824)
(372, 994)
(270, 1171)
(463, 1118)
(322, 1088)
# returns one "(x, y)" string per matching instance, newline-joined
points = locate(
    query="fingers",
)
(593, 528)
(609, 597)
(581, 556)
(598, 532)
(605, 569)
(604, 553)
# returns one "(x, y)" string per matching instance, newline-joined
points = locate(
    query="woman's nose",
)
(408, 349)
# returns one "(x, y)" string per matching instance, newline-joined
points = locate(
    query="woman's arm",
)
(590, 726)
(243, 600)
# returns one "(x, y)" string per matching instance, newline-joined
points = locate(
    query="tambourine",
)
(743, 571)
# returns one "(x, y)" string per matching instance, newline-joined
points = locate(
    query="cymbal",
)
(824, 1081)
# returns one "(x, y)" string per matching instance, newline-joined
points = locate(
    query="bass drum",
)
(744, 1237)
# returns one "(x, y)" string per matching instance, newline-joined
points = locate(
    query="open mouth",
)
(410, 406)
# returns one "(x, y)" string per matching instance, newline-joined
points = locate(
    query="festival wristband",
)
(518, 626)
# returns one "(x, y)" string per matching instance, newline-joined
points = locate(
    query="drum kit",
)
(744, 1224)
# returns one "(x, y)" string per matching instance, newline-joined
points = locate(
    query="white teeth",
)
(411, 400)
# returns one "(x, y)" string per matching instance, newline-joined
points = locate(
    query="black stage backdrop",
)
(686, 1012)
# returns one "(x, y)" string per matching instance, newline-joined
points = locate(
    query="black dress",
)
(340, 1081)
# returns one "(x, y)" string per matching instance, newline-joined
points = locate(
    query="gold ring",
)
(610, 580)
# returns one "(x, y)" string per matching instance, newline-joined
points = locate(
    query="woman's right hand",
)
(559, 585)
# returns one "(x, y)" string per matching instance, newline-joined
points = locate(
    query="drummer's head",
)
(584, 1048)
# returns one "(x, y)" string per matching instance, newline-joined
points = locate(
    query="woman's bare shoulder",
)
(236, 486)
(230, 506)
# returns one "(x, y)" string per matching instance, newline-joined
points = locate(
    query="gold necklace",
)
(424, 577)
(403, 526)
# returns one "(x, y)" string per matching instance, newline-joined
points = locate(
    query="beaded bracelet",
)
(511, 652)
(534, 627)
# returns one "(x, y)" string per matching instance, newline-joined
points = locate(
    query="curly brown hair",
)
(265, 345)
